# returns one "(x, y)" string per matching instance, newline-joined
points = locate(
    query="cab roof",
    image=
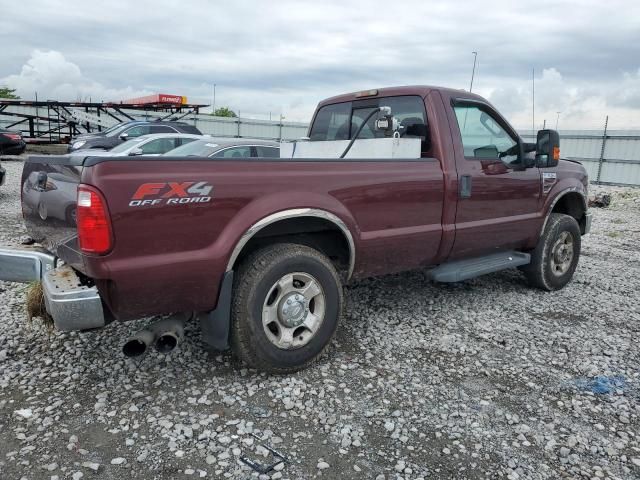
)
(420, 90)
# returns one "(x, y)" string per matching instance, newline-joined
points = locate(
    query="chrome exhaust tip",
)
(164, 335)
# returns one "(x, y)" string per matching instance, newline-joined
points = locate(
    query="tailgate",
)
(49, 191)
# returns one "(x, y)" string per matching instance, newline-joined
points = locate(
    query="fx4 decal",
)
(171, 193)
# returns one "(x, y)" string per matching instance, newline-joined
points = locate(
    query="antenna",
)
(533, 101)
(473, 72)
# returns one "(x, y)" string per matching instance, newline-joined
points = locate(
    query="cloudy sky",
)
(284, 56)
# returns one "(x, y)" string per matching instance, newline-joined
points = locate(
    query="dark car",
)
(11, 143)
(118, 126)
(129, 131)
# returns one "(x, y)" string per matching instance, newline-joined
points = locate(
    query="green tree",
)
(224, 112)
(6, 92)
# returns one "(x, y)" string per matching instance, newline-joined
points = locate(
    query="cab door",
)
(498, 197)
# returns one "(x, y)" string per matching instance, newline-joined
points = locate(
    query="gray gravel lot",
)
(484, 379)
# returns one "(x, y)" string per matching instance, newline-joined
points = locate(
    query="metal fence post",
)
(604, 142)
(238, 128)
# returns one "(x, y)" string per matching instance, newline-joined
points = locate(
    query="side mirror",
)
(547, 148)
(124, 136)
(135, 151)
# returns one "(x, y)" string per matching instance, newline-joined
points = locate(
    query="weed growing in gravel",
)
(35, 307)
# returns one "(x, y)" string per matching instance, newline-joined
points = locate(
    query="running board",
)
(459, 270)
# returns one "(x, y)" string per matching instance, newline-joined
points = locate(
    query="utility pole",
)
(473, 72)
(557, 119)
(213, 111)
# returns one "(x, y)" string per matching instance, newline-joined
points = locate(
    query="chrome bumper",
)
(72, 305)
(587, 222)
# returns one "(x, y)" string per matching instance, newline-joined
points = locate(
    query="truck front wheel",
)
(555, 258)
(286, 305)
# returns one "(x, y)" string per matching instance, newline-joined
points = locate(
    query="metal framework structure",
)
(66, 119)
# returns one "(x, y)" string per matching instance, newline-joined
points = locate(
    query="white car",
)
(153, 144)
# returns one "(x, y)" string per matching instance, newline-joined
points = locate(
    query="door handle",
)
(465, 186)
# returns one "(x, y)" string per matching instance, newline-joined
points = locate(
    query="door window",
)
(161, 129)
(137, 131)
(234, 152)
(158, 146)
(483, 137)
(267, 152)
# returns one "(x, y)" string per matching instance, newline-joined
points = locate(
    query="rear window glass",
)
(341, 121)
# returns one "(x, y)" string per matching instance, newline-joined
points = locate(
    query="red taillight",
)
(13, 136)
(92, 218)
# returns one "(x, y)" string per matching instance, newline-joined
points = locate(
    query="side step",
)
(459, 270)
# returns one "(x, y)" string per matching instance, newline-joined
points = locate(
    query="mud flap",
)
(216, 323)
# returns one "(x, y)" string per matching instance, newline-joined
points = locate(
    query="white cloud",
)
(285, 56)
(52, 76)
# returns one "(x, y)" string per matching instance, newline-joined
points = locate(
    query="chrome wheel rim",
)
(293, 310)
(562, 254)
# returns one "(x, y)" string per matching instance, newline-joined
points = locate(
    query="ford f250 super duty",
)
(258, 249)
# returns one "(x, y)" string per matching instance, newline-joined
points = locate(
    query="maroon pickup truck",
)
(258, 249)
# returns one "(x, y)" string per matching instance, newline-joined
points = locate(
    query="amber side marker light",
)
(367, 93)
(556, 153)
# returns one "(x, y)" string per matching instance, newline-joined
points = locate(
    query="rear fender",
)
(272, 208)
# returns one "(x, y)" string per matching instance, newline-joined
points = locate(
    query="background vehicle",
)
(11, 143)
(128, 131)
(259, 248)
(154, 144)
(228, 148)
(117, 126)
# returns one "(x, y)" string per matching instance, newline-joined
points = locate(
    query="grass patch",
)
(619, 221)
(613, 234)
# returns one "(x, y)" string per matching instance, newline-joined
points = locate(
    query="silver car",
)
(153, 144)
(219, 147)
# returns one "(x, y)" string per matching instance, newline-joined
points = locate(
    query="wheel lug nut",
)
(289, 301)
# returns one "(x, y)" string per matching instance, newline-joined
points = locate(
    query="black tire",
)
(70, 216)
(543, 271)
(254, 280)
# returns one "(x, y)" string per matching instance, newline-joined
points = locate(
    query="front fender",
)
(558, 192)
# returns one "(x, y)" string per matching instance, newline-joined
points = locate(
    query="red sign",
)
(164, 98)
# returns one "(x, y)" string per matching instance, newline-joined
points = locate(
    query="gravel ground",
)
(484, 379)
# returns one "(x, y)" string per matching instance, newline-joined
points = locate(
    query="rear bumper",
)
(72, 305)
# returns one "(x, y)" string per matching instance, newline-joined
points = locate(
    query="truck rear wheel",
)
(555, 258)
(286, 305)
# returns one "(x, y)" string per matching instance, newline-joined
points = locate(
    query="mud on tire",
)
(555, 258)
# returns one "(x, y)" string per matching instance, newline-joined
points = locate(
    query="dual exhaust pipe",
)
(164, 335)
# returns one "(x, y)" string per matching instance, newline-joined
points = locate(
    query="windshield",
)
(116, 131)
(199, 148)
(123, 147)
